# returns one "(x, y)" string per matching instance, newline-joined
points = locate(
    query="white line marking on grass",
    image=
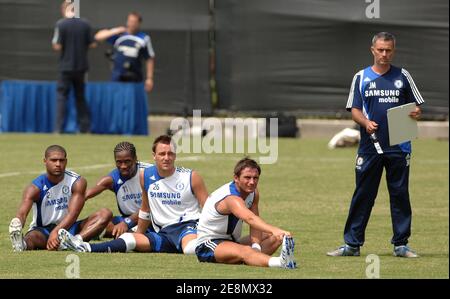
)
(8, 174)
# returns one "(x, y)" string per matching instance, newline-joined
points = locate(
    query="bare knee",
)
(35, 240)
(271, 244)
(245, 253)
(274, 241)
(104, 215)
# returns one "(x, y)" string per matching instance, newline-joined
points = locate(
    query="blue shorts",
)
(46, 230)
(168, 239)
(205, 251)
(118, 219)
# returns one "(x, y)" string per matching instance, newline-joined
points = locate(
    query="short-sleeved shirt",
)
(75, 36)
(374, 94)
(130, 50)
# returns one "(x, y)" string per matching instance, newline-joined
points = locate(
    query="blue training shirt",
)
(374, 94)
(129, 52)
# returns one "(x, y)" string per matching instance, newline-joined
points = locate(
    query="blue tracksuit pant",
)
(369, 169)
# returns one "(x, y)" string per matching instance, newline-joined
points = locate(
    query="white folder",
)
(401, 126)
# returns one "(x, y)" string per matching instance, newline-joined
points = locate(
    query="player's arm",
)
(76, 203)
(144, 213)
(104, 34)
(123, 226)
(30, 195)
(360, 119)
(236, 206)
(150, 66)
(105, 183)
(199, 188)
(255, 234)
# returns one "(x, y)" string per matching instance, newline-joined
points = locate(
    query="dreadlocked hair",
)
(125, 146)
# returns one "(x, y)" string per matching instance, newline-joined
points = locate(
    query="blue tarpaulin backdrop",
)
(116, 108)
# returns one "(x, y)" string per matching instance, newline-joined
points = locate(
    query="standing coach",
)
(373, 91)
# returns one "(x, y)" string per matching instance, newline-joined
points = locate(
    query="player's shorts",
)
(118, 219)
(168, 239)
(205, 250)
(46, 230)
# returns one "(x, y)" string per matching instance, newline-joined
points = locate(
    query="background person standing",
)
(131, 48)
(72, 39)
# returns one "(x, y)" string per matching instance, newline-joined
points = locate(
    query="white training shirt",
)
(171, 199)
(53, 203)
(213, 225)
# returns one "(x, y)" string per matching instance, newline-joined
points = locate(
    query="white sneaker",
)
(15, 234)
(71, 242)
(287, 253)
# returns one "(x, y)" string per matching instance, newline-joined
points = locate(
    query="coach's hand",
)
(371, 127)
(119, 229)
(53, 242)
(416, 113)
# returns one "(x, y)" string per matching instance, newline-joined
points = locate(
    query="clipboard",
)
(401, 126)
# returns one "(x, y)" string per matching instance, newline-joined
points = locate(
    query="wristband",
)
(144, 215)
(129, 222)
(256, 246)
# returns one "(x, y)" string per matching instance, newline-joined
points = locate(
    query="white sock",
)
(190, 247)
(130, 241)
(275, 262)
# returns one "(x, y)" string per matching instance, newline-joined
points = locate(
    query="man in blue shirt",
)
(373, 91)
(131, 47)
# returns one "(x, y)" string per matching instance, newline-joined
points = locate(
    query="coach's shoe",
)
(345, 250)
(287, 253)
(71, 242)
(15, 234)
(404, 251)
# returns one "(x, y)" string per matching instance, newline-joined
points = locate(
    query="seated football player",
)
(124, 182)
(56, 198)
(171, 201)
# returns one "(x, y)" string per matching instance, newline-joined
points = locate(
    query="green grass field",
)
(307, 191)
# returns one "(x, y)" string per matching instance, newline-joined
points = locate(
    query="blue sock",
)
(117, 245)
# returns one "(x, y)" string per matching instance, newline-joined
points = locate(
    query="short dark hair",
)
(136, 14)
(125, 146)
(386, 36)
(55, 148)
(164, 139)
(246, 163)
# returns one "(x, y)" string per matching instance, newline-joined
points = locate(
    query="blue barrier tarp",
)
(116, 108)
